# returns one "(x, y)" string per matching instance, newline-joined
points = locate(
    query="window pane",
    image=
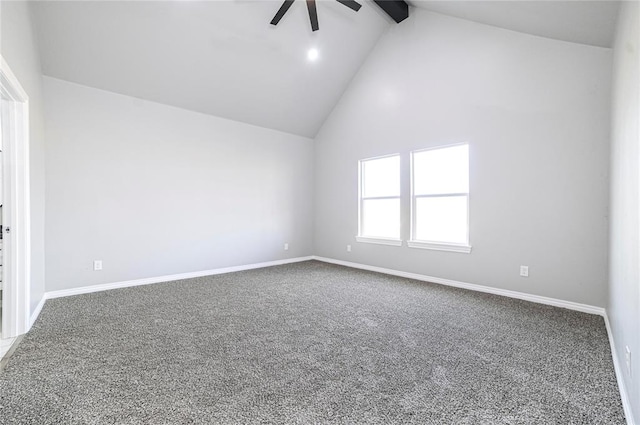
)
(442, 219)
(381, 177)
(381, 218)
(441, 171)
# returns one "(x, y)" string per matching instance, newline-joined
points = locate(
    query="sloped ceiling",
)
(589, 22)
(224, 58)
(217, 57)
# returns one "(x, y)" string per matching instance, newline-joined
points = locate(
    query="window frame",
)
(437, 245)
(377, 239)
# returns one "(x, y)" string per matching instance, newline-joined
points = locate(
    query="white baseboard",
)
(37, 311)
(626, 403)
(585, 308)
(5, 346)
(168, 278)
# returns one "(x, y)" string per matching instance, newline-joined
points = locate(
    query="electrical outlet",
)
(348, 248)
(286, 247)
(97, 265)
(524, 271)
(627, 359)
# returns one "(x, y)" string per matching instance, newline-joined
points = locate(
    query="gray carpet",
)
(309, 343)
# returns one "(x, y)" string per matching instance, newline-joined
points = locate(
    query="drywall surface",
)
(535, 113)
(20, 50)
(152, 190)
(624, 277)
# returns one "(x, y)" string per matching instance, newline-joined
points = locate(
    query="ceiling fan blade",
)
(313, 14)
(280, 13)
(351, 4)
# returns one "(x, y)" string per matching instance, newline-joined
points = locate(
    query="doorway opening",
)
(14, 211)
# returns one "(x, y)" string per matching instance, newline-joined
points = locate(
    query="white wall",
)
(20, 51)
(153, 190)
(536, 115)
(624, 283)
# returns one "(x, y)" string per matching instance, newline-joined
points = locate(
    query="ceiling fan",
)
(313, 13)
(397, 9)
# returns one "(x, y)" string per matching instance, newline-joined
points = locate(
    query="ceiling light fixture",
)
(313, 54)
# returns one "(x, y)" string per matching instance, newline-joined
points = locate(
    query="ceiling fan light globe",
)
(313, 54)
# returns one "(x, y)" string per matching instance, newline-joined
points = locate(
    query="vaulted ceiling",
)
(580, 21)
(224, 58)
(217, 57)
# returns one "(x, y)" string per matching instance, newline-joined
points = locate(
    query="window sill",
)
(380, 241)
(440, 246)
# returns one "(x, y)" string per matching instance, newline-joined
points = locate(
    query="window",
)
(379, 195)
(440, 199)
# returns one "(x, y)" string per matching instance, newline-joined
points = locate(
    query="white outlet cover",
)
(97, 265)
(348, 248)
(524, 271)
(286, 247)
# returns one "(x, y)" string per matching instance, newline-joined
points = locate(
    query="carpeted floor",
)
(309, 343)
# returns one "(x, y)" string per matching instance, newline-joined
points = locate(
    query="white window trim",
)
(371, 239)
(435, 245)
(440, 246)
(379, 241)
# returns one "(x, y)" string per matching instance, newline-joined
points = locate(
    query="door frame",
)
(16, 269)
